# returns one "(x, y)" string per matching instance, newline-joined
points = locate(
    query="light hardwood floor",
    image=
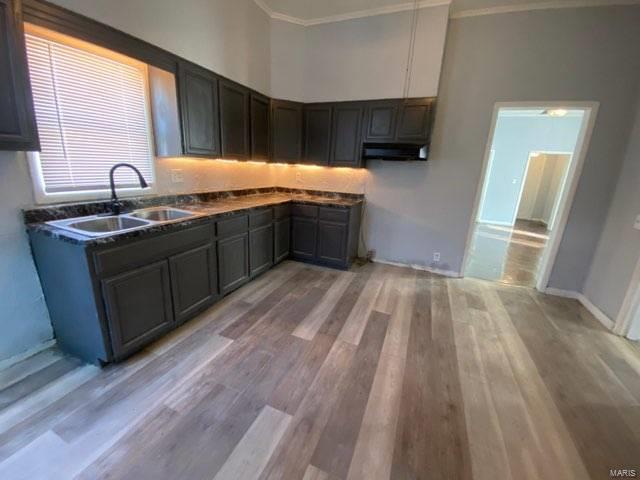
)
(309, 373)
(509, 255)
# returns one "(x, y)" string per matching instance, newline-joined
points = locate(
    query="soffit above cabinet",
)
(313, 12)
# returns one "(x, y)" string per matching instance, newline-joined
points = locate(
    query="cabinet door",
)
(17, 118)
(304, 233)
(194, 280)
(234, 120)
(260, 249)
(346, 138)
(138, 306)
(282, 236)
(381, 118)
(286, 131)
(317, 134)
(414, 120)
(199, 111)
(332, 242)
(233, 262)
(259, 127)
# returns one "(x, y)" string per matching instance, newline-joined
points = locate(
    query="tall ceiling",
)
(315, 11)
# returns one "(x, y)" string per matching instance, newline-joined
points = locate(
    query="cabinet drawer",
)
(232, 226)
(338, 215)
(310, 211)
(145, 251)
(260, 218)
(282, 211)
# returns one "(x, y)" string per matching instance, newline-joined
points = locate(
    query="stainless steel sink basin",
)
(107, 224)
(161, 214)
(96, 226)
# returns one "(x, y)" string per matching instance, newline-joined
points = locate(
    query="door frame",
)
(563, 182)
(571, 183)
(630, 305)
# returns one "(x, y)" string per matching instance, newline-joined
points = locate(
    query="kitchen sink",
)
(161, 214)
(107, 224)
(97, 225)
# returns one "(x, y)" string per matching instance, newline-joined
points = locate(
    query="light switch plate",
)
(177, 176)
(636, 224)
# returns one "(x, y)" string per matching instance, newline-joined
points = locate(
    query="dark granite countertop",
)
(205, 206)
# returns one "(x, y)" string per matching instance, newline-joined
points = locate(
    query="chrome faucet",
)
(116, 206)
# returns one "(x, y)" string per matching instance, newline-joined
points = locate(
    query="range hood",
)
(395, 151)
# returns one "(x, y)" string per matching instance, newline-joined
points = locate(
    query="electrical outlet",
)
(177, 176)
(436, 256)
(636, 224)
(299, 177)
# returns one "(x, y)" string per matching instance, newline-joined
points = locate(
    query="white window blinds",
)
(91, 113)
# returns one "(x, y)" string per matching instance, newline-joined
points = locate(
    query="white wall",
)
(357, 59)
(231, 37)
(619, 247)
(288, 50)
(514, 138)
(542, 187)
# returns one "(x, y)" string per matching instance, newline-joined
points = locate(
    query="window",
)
(92, 112)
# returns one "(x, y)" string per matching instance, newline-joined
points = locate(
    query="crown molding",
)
(372, 12)
(541, 6)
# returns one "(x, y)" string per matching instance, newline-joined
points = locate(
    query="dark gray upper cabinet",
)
(346, 135)
(194, 280)
(260, 127)
(381, 119)
(18, 129)
(286, 131)
(198, 93)
(414, 120)
(398, 120)
(234, 120)
(138, 306)
(317, 133)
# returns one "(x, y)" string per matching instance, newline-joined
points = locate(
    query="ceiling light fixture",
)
(556, 112)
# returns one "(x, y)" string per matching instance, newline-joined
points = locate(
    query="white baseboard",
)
(6, 363)
(424, 268)
(586, 303)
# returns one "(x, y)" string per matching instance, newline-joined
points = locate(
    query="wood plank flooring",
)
(308, 373)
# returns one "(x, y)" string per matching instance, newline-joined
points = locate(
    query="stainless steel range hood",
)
(395, 151)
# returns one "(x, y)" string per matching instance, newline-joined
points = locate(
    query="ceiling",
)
(310, 12)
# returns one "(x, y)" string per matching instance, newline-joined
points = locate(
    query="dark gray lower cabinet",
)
(282, 236)
(260, 249)
(233, 262)
(325, 235)
(304, 235)
(138, 306)
(194, 280)
(332, 242)
(107, 301)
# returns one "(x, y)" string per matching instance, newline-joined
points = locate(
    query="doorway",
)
(533, 160)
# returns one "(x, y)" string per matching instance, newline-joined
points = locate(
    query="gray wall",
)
(230, 37)
(24, 319)
(514, 139)
(416, 209)
(619, 246)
